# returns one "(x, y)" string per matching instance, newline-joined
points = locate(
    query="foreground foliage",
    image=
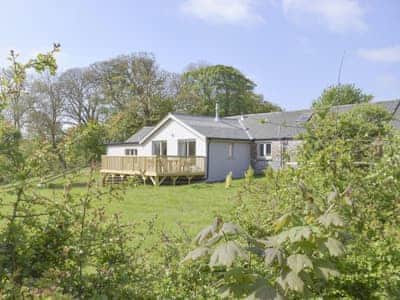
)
(328, 229)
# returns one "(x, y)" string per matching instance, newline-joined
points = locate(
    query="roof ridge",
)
(246, 130)
(306, 109)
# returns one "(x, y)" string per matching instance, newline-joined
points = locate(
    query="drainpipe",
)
(207, 157)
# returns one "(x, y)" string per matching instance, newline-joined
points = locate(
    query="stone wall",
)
(278, 147)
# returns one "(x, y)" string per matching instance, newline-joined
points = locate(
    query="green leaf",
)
(214, 239)
(207, 232)
(271, 255)
(298, 262)
(263, 291)
(291, 281)
(334, 246)
(196, 254)
(332, 196)
(331, 218)
(271, 242)
(236, 282)
(326, 270)
(204, 234)
(225, 254)
(231, 229)
(282, 221)
(295, 234)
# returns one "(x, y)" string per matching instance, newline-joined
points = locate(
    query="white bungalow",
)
(186, 146)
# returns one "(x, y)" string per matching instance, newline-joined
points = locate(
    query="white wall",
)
(220, 164)
(119, 150)
(171, 131)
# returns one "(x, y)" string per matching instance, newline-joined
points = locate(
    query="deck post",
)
(174, 179)
(162, 180)
(103, 180)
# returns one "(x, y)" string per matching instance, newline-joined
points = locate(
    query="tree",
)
(10, 155)
(340, 95)
(344, 141)
(12, 85)
(204, 86)
(122, 124)
(18, 102)
(82, 96)
(85, 143)
(137, 80)
(46, 115)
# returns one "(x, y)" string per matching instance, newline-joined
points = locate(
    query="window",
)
(131, 152)
(265, 150)
(230, 151)
(159, 148)
(187, 148)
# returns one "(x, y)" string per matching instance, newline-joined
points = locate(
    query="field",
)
(173, 208)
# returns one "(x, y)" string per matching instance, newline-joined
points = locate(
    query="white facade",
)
(171, 132)
(227, 156)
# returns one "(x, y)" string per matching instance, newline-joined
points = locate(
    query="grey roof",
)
(288, 124)
(392, 106)
(134, 139)
(223, 129)
(275, 125)
(262, 126)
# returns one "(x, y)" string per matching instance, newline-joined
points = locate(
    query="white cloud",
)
(388, 54)
(338, 15)
(222, 11)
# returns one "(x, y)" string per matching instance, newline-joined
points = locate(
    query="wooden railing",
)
(153, 165)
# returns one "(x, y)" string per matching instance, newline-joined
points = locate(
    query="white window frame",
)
(186, 143)
(161, 142)
(131, 152)
(230, 150)
(263, 153)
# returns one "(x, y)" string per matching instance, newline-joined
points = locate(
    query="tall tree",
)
(138, 79)
(81, 93)
(46, 115)
(340, 95)
(206, 85)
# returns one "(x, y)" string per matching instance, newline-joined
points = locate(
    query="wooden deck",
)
(155, 168)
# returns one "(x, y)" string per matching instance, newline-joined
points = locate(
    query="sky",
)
(291, 49)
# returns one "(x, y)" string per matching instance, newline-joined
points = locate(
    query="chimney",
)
(216, 112)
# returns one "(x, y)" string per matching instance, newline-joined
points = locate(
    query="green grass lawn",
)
(174, 208)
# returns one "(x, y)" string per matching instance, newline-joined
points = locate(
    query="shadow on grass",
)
(60, 186)
(201, 186)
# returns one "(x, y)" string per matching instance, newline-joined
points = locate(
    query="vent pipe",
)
(216, 112)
